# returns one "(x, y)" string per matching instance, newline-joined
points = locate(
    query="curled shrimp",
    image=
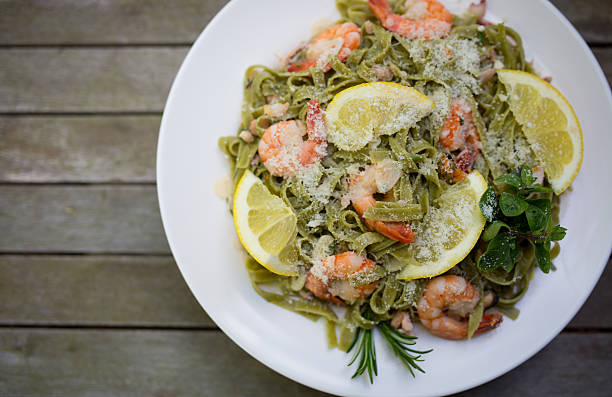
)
(424, 19)
(282, 147)
(339, 40)
(378, 178)
(445, 305)
(459, 133)
(328, 279)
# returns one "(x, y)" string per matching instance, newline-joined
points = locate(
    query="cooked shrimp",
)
(424, 19)
(401, 321)
(339, 40)
(328, 279)
(459, 132)
(282, 147)
(378, 178)
(445, 305)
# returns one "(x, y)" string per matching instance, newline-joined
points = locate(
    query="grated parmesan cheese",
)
(440, 229)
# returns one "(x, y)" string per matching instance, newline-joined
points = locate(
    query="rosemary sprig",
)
(399, 343)
(366, 351)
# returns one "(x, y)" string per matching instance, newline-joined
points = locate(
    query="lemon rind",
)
(269, 261)
(566, 177)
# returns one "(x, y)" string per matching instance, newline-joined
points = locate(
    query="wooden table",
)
(91, 301)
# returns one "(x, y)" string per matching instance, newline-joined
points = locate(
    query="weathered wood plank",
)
(604, 56)
(96, 291)
(592, 18)
(149, 22)
(595, 313)
(109, 219)
(121, 363)
(144, 291)
(125, 219)
(571, 365)
(133, 363)
(87, 80)
(103, 80)
(78, 149)
(104, 22)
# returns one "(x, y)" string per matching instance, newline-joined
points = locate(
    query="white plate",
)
(204, 104)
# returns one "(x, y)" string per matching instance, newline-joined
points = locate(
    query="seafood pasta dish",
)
(401, 173)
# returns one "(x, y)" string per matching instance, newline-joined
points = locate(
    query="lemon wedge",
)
(265, 224)
(449, 231)
(358, 114)
(549, 123)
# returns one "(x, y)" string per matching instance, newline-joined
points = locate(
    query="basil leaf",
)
(501, 252)
(511, 180)
(492, 230)
(488, 205)
(511, 204)
(527, 177)
(542, 254)
(557, 233)
(538, 214)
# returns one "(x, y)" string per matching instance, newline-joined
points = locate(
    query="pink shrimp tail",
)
(436, 26)
(315, 123)
(320, 289)
(298, 67)
(398, 231)
(489, 322)
(466, 158)
(316, 145)
(478, 8)
(381, 9)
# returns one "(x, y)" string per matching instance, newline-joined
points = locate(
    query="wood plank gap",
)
(160, 254)
(77, 183)
(589, 330)
(604, 45)
(117, 113)
(98, 45)
(72, 254)
(104, 327)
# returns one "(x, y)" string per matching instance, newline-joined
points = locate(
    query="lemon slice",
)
(549, 123)
(358, 114)
(449, 231)
(265, 224)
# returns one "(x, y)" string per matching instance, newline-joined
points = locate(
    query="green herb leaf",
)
(501, 252)
(542, 254)
(488, 205)
(557, 233)
(539, 189)
(527, 177)
(511, 180)
(538, 214)
(511, 204)
(493, 229)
